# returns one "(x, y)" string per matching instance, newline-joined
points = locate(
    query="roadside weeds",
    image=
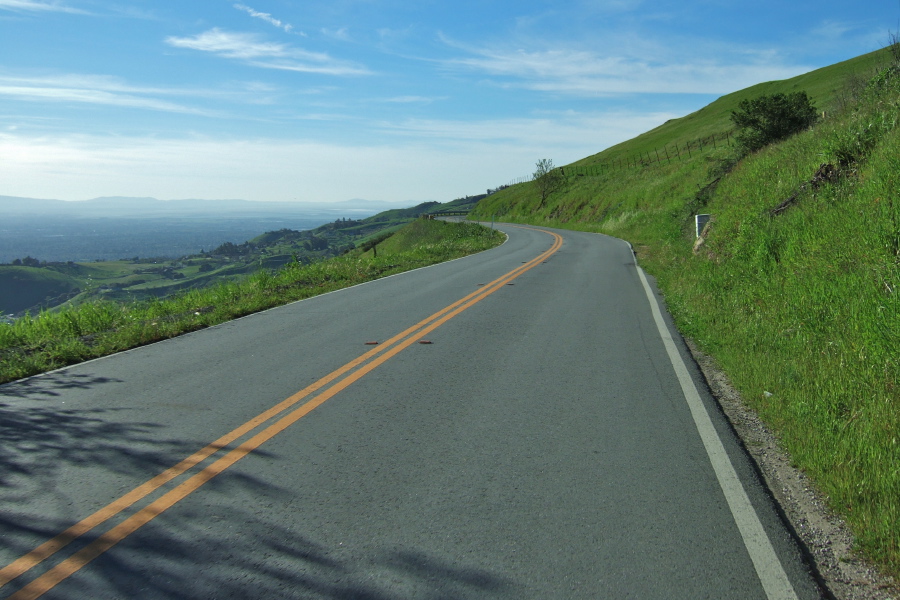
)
(828, 541)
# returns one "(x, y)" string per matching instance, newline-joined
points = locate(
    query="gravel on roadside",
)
(828, 541)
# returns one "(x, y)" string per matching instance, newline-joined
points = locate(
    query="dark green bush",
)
(768, 119)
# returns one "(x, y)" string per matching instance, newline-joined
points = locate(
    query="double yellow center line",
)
(321, 391)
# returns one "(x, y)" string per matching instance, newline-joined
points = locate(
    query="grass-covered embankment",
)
(800, 306)
(50, 340)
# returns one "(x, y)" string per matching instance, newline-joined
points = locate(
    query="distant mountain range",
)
(130, 207)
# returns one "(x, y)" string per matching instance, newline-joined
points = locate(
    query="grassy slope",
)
(21, 287)
(824, 86)
(630, 193)
(802, 309)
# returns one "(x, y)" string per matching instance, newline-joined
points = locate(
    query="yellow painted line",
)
(107, 540)
(47, 549)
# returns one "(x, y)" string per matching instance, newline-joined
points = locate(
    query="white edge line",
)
(771, 573)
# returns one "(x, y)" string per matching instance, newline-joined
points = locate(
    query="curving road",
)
(526, 427)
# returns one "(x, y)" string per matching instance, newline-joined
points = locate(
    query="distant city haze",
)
(123, 228)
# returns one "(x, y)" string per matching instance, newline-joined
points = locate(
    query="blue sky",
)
(392, 100)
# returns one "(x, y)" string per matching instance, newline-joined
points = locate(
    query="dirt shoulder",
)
(828, 541)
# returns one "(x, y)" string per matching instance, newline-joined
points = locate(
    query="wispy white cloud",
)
(342, 34)
(269, 55)
(268, 18)
(864, 35)
(99, 90)
(35, 6)
(608, 6)
(230, 45)
(833, 29)
(588, 72)
(489, 152)
(413, 99)
(565, 132)
(92, 97)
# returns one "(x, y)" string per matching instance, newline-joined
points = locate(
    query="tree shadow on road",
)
(261, 559)
(226, 541)
(215, 548)
(51, 451)
(52, 385)
(39, 437)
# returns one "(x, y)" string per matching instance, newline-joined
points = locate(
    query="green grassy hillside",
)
(633, 177)
(425, 235)
(830, 88)
(23, 287)
(794, 288)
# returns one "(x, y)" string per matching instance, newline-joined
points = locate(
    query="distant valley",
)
(84, 239)
(120, 227)
(152, 249)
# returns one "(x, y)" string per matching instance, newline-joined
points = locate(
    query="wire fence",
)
(677, 151)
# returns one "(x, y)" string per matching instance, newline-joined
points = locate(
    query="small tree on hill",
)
(547, 179)
(768, 119)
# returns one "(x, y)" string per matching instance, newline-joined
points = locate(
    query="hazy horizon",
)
(352, 202)
(61, 231)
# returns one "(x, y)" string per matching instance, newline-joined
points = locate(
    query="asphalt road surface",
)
(526, 427)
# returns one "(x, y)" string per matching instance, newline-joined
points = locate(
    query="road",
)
(527, 426)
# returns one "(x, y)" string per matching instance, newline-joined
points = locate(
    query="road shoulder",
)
(827, 539)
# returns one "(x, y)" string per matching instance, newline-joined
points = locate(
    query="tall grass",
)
(35, 344)
(803, 311)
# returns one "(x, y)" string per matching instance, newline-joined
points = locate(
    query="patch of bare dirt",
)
(845, 574)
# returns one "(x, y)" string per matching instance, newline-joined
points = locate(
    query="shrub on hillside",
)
(768, 119)
(547, 179)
